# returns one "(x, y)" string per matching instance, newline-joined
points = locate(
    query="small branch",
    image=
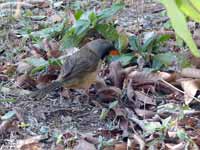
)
(175, 88)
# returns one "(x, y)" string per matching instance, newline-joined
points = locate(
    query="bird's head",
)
(102, 47)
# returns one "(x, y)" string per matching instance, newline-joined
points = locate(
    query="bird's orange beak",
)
(114, 53)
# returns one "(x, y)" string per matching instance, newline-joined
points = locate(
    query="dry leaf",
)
(83, 145)
(179, 146)
(108, 94)
(23, 67)
(116, 74)
(169, 77)
(144, 98)
(144, 113)
(190, 88)
(43, 80)
(3, 77)
(190, 73)
(25, 82)
(142, 77)
(31, 143)
(121, 146)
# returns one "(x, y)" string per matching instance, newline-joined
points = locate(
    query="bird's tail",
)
(39, 94)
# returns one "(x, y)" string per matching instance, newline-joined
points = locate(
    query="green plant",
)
(90, 20)
(177, 10)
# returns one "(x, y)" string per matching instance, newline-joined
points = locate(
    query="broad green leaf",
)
(75, 34)
(125, 59)
(196, 4)
(187, 8)
(163, 59)
(148, 44)
(107, 31)
(152, 43)
(134, 43)
(108, 12)
(179, 24)
(122, 42)
(78, 31)
(163, 38)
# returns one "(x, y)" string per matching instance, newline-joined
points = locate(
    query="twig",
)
(175, 88)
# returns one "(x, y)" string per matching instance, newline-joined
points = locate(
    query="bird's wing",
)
(76, 65)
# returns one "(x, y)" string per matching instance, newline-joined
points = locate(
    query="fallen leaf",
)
(120, 146)
(3, 77)
(44, 80)
(23, 67)
(9, 69)
(25, 82)
(169, 77)
(82, 144)
(38, 52)
(109, 94)
(55, 18)
(53, 53)
(190, 73)
(144, 113)
(130, 92)
(190, 88)
(116, 74)
(179, 146)
(144, 98)
(31, 143)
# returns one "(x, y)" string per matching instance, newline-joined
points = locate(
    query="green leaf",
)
(38, 69)
(107, 31)
(148, 43)
(187, 8)
(48, 32)
(151, 127)
(196, 4)
(182, 135)
(179, 24)
(93, 19)
(113, 104)
(104, 113)
(166, 59)
(55, 61)
(108, 12)
(38, 17)
(75, 34)
(134, 43)
(8, 115)
(36, 62)
(162, 38)
(122, 42)
(78, 14)
(8, 100)
(166, 122)
(125, 59)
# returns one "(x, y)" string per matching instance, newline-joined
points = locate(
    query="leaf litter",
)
(146, 98)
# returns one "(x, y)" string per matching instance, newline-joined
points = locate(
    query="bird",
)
(80, 69)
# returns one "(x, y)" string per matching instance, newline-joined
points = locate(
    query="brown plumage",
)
(80, 69)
